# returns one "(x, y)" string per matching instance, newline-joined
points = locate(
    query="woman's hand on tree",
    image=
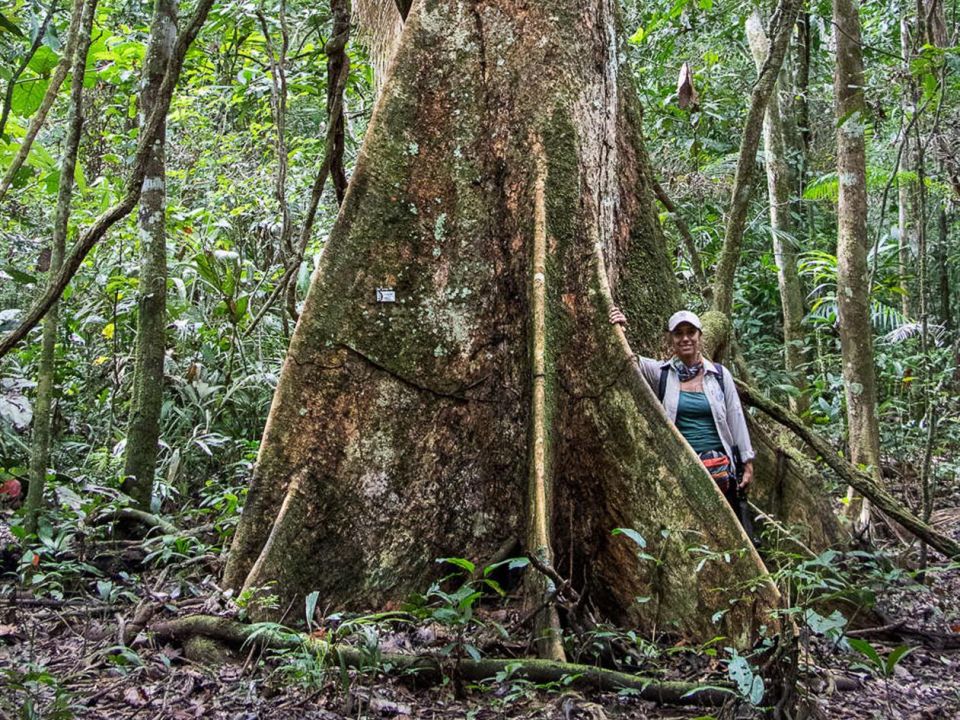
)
(617, 317)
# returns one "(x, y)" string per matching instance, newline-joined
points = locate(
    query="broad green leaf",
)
(19, 276)
(310, 606)
(895, 656)
(8, 25)
(44, 60)
(459, 562)
(867, 650)
(27, 96)
(742, 674)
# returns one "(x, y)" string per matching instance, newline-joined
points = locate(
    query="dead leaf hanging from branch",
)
(687, 97)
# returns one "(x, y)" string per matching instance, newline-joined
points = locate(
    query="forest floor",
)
(72, 648)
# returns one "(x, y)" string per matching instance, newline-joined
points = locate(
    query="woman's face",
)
(686, 342)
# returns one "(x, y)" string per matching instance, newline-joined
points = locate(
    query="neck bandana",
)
(686, 372)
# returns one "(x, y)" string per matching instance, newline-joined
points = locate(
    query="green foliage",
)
(35, 693)
(749, 683)
(873, 661)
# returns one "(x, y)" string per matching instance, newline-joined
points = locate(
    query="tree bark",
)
(781, 28)
(853, 288)
(46, 374)
(143, 432)
(405, 427)
(379, 26)
(781, 226)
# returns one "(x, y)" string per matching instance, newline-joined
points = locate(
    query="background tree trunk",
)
(402, 426)
(906, 185)
(379, 27)
(46, 381)
(143, 433)
(853, 288)
(943, 280)
(781, 226)
(781, 28)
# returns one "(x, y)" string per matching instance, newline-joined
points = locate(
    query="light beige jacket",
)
(724, 402)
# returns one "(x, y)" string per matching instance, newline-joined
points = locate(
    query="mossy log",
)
(431, 669)
(444, 391)
(861, 481)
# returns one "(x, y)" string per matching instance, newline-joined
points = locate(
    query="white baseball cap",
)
(683, 316)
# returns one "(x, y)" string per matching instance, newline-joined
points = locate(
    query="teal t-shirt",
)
(695, 422)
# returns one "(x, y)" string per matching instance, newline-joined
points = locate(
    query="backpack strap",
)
(662, 387)
(723, 390)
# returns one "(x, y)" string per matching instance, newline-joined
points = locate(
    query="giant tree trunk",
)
(143, 434)
(781, 226)
(501, 192)
(853, 284)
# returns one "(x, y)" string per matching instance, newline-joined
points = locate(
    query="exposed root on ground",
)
(430, 669)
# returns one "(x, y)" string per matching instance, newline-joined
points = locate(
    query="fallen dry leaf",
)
(8, 630)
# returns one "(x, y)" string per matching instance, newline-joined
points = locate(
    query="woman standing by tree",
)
(700, 399)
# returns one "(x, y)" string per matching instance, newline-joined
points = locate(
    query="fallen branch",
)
(238, 634)
(898, 631)
(862, 482)
(141, 516)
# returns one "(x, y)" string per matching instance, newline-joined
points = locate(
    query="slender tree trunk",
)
(338, 61)
(143, 433)
(946, 316)
(781, 225)
(453, 383)
(781, 28)
(907, 186)
(802, 80)
(801, 105)
(934, 22)
(46, 380)
(853, 289)
(929, 420)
